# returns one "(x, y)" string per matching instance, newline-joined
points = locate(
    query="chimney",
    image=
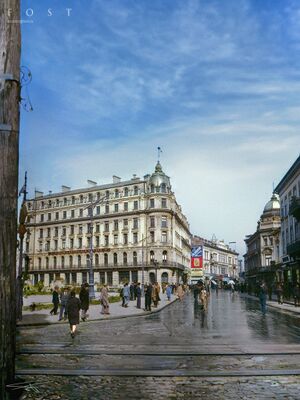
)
(116, 179)
(65, 188)
(91, 183)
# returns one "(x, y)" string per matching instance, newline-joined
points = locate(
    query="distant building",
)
(137, 231)
(219, 261)
(288, 190)
(262, 254)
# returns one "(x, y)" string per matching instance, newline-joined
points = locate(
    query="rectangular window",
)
(125, 238)
(135, 223)
(56, 231)
(98, 210)
(71, 229)
(64, 214)
(81, 212)
(63, 244)
(116, 225)
(115, 239)
(64, 231)
(164, 237)
(126, 206)
(106, 208)
(80, 230)
(48, 232)
(135, 238)
(116, 207)
(152, 222)
(106, 240)
(164, 222)
(97, 241)
(47, 246)
(106, 227)
(57, 216)
(135, 205)
(152, 203)
(79, 243)
(55, 244)
(41, 233)
(42, 217)
(71, 243)
(49, 216)
(163, 203)
(72, 213)
(152, 237)
(97, 228)
(125, 223)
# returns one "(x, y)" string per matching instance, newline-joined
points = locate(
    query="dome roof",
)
(159, 178)
(273, 204)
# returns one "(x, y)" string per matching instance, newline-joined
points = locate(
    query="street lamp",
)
(90, 209)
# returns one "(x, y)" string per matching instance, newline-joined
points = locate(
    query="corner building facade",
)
(137, 229)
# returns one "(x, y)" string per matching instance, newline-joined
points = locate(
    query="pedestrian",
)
(122, 296)
(73, 310)
(126, 294)
(263, 297)
(55, 300)
(296, 294)
(279, 292)
(180, 292)
(138, 295)
(131, 288)
(104, 300)
(64, 297)
(169, 292)
(84, 300)
(148, 297)
(155, 294)
(203, 298)
(196, 294)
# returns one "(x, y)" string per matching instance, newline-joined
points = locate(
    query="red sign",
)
(197, 262)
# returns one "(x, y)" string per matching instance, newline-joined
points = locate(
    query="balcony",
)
(293, 249)
(294, 209)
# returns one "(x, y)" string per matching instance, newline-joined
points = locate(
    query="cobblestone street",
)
(232, 351)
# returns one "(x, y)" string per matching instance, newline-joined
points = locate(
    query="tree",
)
(10, 46)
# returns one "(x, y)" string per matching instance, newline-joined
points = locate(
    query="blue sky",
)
(214, 83)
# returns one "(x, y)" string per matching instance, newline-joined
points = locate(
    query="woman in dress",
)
(104, 300)
(73, 309)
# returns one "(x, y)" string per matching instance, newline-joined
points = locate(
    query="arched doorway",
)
(164, 277)
(152, 277)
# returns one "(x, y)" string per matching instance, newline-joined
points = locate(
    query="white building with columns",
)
(137, 229)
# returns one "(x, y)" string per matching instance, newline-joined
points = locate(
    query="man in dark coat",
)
(138, 295)
(73, 310)
(55, 301)
(148, 297)
(84, 300)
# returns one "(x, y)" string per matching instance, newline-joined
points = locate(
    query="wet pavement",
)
(229, 342)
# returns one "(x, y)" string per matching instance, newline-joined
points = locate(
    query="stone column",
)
(115, 278)
(79, 278)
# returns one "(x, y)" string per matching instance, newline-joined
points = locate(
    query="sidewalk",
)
(272, 303)
(43, 317)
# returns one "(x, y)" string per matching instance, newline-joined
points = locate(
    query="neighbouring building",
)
(288, 190)
(137, 232)
(213, 259)
(262, 247)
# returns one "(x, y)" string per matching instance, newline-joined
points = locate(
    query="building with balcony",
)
(262, 247)
(288, 190)
(134, 230)
(219, 260)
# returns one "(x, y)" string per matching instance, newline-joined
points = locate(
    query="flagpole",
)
(22, 231)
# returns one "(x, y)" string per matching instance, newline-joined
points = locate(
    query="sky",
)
(214, 83)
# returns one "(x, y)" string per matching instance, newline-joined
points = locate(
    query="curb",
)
(145, 313)
(294, 312)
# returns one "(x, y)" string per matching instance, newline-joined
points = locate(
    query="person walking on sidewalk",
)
(138, 295)
(262, 294)
(296, 294)
(126, 294)
(64, 297)
(279, 291)
(104, 300)
(148, 297)
(84, 300)
(55, 301)
(73, 310)
(180, 292)
(169, 292)
(155, 294)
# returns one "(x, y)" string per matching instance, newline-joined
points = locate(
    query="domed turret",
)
(273, 204)
(159, 181)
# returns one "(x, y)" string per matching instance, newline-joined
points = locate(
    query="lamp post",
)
(90, 209)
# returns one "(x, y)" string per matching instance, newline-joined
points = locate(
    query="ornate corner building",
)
(135, 228)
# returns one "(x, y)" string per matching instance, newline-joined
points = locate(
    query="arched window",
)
(151, 256)
(163, 188)
(136, 190)
(115, 258)
(126, 192)
(71, 261)
(134, 258)
(79, 261)
(96, 259)
(62, 261)
(54, 262)
(105, 259)
(125, 258)
(152, 188)
(164, 277)
(164, 256)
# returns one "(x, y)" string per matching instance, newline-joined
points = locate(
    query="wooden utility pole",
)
(10, 48)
